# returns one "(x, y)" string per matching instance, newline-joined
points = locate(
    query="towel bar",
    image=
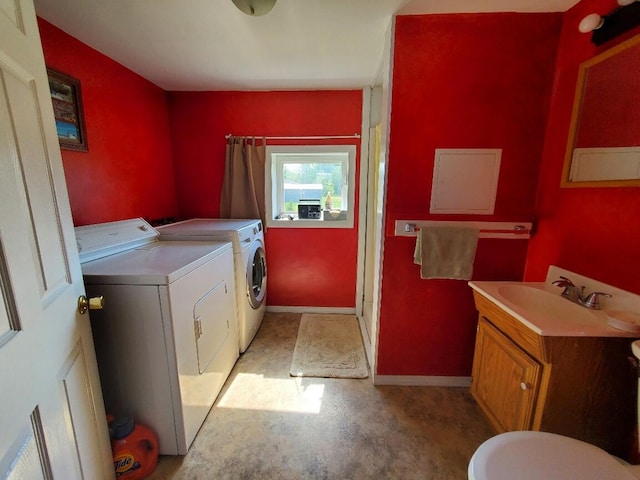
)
(507, 230)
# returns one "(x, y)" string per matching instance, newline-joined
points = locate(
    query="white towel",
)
(446, 252)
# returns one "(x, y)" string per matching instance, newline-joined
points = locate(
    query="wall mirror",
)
(603, 148)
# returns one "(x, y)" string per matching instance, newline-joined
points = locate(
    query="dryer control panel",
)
(100, 240)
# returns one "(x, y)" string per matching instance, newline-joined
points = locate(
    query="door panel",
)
(32, 171)
(80, 411)
(51, 411)
(500, 371)
(8, 314)
(212, 328)
(28, 458)
(11, 8)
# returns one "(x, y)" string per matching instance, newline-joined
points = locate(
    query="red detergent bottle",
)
(134, 447)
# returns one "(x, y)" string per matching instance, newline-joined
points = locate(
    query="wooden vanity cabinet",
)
(581, 387)
(505, 380)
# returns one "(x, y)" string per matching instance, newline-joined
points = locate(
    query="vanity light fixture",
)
(591, 22)
(607, 27)
(255, 8)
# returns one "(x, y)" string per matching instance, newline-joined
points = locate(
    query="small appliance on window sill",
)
(309, 209)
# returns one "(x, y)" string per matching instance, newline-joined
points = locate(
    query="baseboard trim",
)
(366, 341)
(340, 310)
(421, 381)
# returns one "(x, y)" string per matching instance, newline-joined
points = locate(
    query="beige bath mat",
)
(329, 345)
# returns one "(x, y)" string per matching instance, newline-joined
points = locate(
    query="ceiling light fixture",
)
(607, 27)
(255, 8)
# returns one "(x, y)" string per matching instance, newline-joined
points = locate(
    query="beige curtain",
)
(243, 186)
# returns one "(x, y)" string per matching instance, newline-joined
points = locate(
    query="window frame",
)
(277, 156)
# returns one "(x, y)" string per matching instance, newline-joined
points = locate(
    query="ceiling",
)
(211, 45)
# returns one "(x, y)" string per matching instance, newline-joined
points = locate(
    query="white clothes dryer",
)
(166, 339)
(247, 237)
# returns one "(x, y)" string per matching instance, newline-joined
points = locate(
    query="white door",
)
(52, 419)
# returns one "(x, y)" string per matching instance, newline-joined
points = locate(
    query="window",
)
(310, 186)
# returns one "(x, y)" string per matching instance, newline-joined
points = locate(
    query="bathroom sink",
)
(544, 304)
(541, 308)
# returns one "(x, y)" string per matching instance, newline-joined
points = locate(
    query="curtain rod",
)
(310, 137)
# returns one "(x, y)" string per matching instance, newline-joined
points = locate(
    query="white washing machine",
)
(247, 237)
(166, 339)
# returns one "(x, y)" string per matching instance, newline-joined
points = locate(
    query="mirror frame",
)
(575, 117)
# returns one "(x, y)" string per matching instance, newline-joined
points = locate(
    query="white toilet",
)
(530, 455)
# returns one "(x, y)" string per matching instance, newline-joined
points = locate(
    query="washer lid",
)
(240, 232)
(535, 455)
(208, 226)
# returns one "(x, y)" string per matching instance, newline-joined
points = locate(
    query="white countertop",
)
(539, 306)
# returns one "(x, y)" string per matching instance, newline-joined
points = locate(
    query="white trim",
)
(422, 381)
(378, 77)
(310, 309)
(366, 341)
(362, 199)
(381, 205)
(272, 182)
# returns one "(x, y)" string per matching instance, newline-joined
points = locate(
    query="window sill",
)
(337, 220)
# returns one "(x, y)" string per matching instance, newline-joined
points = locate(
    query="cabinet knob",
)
(525, 386)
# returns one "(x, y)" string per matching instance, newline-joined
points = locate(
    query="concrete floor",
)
(268, 425)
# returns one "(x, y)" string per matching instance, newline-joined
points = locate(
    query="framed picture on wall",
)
(67, 110)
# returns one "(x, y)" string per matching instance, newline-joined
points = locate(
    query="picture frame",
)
(66, 97)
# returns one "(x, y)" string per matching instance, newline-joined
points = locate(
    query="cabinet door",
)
(505, 380)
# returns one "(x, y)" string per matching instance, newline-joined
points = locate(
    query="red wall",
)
(593, 231)
(128, 170)
(459, 81)
(307, 267)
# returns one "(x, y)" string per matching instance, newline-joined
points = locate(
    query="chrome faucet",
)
(576, 294)
(592, 300)
(570, 291)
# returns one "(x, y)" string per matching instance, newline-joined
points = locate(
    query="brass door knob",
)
(93, 303)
